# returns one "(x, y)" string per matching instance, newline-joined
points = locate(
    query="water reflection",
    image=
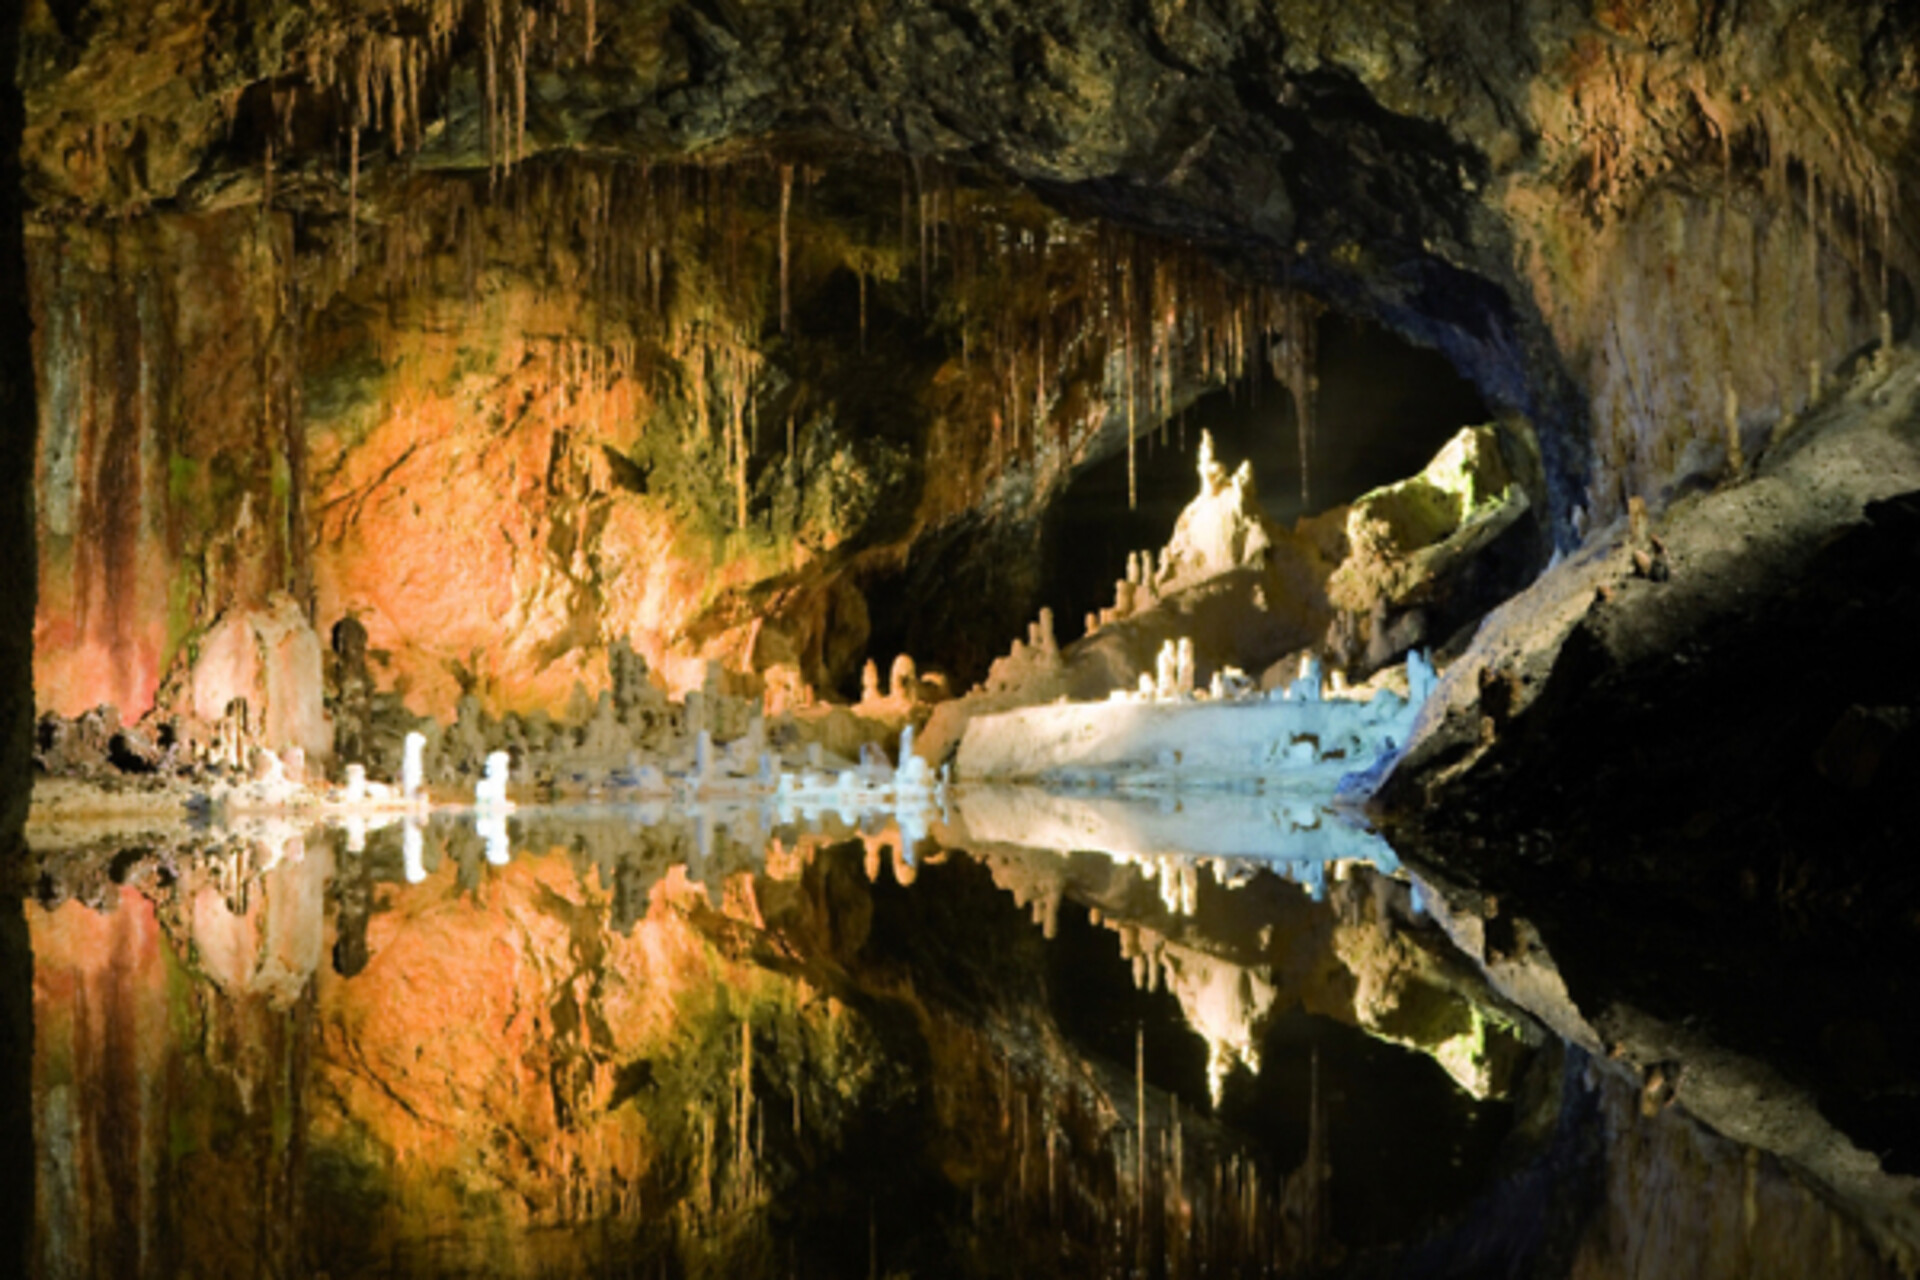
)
(1025, 1034)
(1234, 833)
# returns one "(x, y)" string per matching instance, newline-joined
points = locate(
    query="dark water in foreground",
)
(626, 1042)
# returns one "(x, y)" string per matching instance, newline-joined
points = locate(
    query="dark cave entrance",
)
(1385, 407)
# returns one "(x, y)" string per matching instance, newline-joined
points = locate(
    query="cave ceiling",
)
(1443, 167)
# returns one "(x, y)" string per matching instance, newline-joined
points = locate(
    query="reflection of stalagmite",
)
(492, 830)
(413, 851)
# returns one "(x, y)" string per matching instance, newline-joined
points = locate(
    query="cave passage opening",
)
(1384, 407)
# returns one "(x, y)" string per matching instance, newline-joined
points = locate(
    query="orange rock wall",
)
(164, 480)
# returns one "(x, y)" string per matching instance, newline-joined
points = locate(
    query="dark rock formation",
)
(17, 421)
(1697, 784)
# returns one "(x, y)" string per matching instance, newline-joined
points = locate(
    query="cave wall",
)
(164, 464)
(17, 588)
(1635, 224)
(506, 427)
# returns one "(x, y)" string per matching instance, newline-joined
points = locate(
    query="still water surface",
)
(1047, 1036)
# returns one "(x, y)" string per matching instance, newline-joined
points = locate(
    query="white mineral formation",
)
(911, 795)
(271, 658)
(492, 828)
(1294, 836)
(903, 681)
(1222, 528)
(1166, 667)
(1298, 739)
(490, 793)
(413, 848)
(413, 767)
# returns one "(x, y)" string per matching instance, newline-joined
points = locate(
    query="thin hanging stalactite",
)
(491, 92)
(920, 192)
(353, 195)
(527, 19)
(1133, 470)
(786, 208)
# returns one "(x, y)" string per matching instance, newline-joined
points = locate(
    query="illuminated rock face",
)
(271, 659)
(165, 478)
(382, 371)
(503, 451)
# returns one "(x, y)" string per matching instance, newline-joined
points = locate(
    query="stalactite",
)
(786, 206)
(1133, 467)
(353, 194)
(1040, 386)
(1294, 366)
(920, 192)
(527, 19)
(491, 89)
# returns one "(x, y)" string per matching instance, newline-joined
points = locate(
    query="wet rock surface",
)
(1689, 788)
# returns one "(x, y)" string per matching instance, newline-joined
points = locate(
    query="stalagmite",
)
(903, 680)
(1166, 667)
(412, 768)
(490, 792)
